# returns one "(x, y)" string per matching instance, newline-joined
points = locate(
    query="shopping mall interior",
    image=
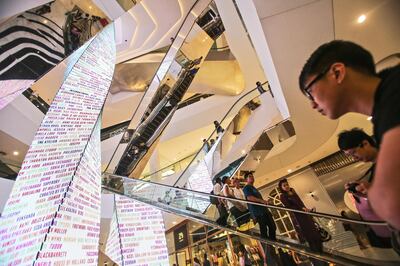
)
(120, 118)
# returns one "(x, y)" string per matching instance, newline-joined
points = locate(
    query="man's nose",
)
(314, 105)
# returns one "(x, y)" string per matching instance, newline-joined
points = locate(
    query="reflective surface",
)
(340, 245)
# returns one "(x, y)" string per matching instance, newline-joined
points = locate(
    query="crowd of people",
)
(306, 228)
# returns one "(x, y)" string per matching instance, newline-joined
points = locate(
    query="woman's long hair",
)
(280, 185)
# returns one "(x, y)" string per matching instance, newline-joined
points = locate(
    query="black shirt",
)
(386, 110)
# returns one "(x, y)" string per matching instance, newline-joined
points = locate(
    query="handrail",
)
(165, 167)
(330, 256)
(223, 118)
(109, 132)
(341, 259)
(318, 214)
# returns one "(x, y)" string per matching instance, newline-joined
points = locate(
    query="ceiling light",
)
(361, 18)
(16, 153)
(90, 7)
(168, 172)
(45, 21)
(173, 222)
(369, 118)
(243, 151)
(289, 170)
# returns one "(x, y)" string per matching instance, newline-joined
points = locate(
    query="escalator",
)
(186, 203)
(164, 95)
(151, 123)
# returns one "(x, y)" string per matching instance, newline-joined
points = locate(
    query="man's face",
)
(326, 92)
(250, 179)
(364, 152)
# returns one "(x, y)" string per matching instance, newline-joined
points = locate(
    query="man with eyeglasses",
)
(358, 144)
(340, 77)
(362, 147)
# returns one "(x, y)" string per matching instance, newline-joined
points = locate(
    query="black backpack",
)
(213, 200)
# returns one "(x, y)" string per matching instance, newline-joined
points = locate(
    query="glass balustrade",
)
(340, 244)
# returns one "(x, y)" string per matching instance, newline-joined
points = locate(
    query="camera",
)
(352, 187)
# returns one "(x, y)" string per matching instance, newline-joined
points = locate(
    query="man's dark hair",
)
(224, 178)
(348, 53)
(350, 139)
(246, 175)
(218, 180)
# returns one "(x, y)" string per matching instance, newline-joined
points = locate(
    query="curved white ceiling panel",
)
(148, 26)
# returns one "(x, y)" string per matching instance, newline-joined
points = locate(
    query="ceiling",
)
(14, 149)
(145, 27)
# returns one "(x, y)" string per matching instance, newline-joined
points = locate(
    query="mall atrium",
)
(137, 132)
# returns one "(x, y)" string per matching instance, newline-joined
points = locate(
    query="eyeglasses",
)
(353, 151)
(307, 90)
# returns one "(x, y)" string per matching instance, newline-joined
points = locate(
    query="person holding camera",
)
(362, 147)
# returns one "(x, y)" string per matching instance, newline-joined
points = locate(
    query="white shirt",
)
(227, 191)
(238, 193)
(217, 189)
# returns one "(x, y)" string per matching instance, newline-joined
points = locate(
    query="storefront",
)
(220, 247)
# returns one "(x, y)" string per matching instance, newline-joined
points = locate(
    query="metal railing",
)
(208, 195)
(186, 202)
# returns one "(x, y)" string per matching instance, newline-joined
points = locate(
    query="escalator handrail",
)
(168, 166)
(341, 259)
(204, 194)
(222, 120)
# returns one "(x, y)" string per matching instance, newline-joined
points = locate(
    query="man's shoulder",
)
(386, 110)
(248, 189)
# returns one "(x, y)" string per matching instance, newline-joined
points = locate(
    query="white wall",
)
(304, 183)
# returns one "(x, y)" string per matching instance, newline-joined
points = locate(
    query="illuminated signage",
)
(52, 216)
(141, 233)
(113, 246)
(180, 237)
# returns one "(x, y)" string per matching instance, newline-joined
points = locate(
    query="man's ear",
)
(365, 143)
(339, 71)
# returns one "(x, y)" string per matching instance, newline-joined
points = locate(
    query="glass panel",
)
(339, 238)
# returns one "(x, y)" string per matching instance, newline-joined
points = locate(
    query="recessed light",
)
(45, 21)
(369, 118)
(15, 153)
(90, 7)
(361, 18)
(289, 170)
(173, 222)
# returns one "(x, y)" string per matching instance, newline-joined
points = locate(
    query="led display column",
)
(52, 216)
(141, 233)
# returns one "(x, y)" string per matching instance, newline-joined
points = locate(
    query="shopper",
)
(218, 128)
(196, 262)
(239, 214)
(223, 214)
(262, 216)
(340, 77)
(206, 146)
(304, 224)
(206, 262)
(244, 259)
(361, 146)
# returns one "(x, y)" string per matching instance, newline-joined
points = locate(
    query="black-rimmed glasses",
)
(307, 90)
